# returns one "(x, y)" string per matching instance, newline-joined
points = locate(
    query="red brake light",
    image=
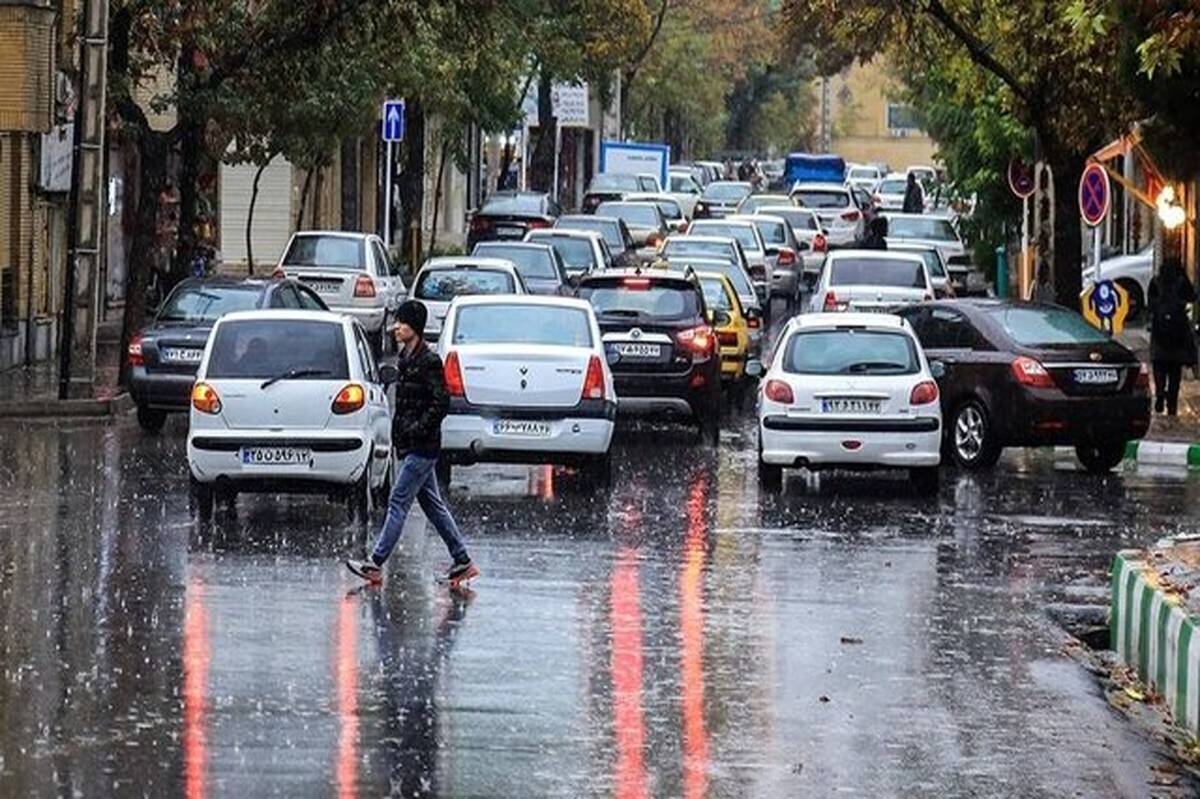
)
(786, 257)
(479, 223)
(779, 391)
(205, 399)
(1142, 383)
(1030, 372)
(136, 358)
(538, 223)
(364, 287)
(698, 339)
(453, 374)
(820, 244)
(350, 399)
(593, 382)
(654, 240)
(830, 302)
(753, 322)
(850, 216)
(636, 283)
(923, 393)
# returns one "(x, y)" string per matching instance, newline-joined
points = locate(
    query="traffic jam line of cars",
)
(557, 325)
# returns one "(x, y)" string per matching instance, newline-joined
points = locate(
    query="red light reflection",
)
(691, 634)
(197, 655)
(629, 723)
(346, 680)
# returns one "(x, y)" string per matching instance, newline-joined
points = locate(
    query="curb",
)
(1163, 453)
(66, 409)
(1152, 635)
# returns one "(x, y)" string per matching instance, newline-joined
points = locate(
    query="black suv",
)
(660, 345)
(165, 354)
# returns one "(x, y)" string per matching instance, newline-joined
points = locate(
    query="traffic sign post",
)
(1095, 196)
(391, 131)
(1023, 184)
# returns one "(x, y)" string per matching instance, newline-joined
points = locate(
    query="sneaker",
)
(461, 572)
(366, 570)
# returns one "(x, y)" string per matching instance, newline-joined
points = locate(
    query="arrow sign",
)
(393, 121)
(1095, 193)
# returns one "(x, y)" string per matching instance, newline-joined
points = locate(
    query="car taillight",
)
(923, 393)
(636, 283)
(350, 399)
(278, 274)
(364, 287)
(1142, 383)
(136, 357)
(593, 382)
(779, 391)
(831, 303)
(539, 223)
(453, 375)
(699, 340)
(654, 240)
(786, 257)
(820, 243)
(1030, 372)
(205, 398)
(727, 339)
(850, 216)
(480, 224)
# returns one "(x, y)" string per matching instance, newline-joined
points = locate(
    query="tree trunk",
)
(315, 222)
(505, 165)
(437, 195)
(1068, 236)
(303, 199)
(250, 220)
(542, 176)
(411, 182)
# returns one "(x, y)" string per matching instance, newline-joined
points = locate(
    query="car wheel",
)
(151, 420)
(925, 479)
(1101, 458)
(384, 492)
(770, 476)
(360, 500)
(972, 441)
(203, 499)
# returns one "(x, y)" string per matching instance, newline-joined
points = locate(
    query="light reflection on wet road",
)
(677, 635)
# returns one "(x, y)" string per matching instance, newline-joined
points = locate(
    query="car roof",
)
(732, 183)
(701, 239)
(655, 274)
(584, 218)
(875, 255)
(520, 245)
(902, 215)
(768, 210)
(757, 216)
(469, 261)
(728, 220)
(520, 299)
(912, 245)
(340, 234)
(284, 314)
(222, 281)
(565, 232)
(820, 186)
(649, 196)
(515, 193)
(815, 321)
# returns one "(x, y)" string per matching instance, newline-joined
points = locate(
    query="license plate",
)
(638, 350)
(182, 354)
(276, 456)
(325, 286)
(512, 427)
(1096, 377)
(510, 232)
(850, 405)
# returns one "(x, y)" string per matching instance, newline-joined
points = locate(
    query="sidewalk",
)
(1171, 440)
(32, 392)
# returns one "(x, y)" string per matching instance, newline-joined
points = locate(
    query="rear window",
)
(933, 262)
(772, 232)
(669, 209)
(849, 351)
(648, 184)
(637, 298)
(726, 191)
(715, 296)
(743, 233)
(443, 285)
(327, 252)
(207, 303)
(823, 199)
(1047, 327)
(734, 272)
(531, 263)
(683, 184)
(513, 204)
(799, 219)
(522, 324)
(643, 215)
(893, 187)
(608, 228)
(877, 272)
(576, 253)
(685, 246)
(915, 227)
(263, 348)
(610, 182)
(863, 174)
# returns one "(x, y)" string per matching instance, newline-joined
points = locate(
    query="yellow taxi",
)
(734, 337)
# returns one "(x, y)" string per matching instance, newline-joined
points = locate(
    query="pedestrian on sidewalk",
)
(421, 403)
(914, 196)
(1172, 343)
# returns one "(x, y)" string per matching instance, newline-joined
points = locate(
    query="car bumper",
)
(841, 237)
(160, 390)
(338, 458)
(370, 318)
(1049, 417)
(471, 437)
(648, 395)
(821, 443)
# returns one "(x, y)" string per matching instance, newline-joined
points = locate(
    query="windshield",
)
(608, 228)
(327, 252)
(522, 324)
(863, 174)
(683, 184)
(1032, 326)
(933, 261)
(726, 191)
(798, 218)
(850, 351)
(743, 233)
(893, 187)
(823, 199)
(921, 227)
(735, 274)
(877, 272)
(641, 215)
(610, 182)
(641, 298)
(207, 303)
(715, 296)
(576, 253)
(443, 285)
(772, 232)
(685, 246)
(513, 204)
(533, 263)
(259, 349)
(669, 209)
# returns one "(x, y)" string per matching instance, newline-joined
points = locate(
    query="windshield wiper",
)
(292, 374)
(620, 312)
(871, 366)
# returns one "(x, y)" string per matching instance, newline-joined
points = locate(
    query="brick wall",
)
(26, 67)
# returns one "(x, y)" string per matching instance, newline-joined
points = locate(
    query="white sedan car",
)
(289, 401)
(878, 281)
(441, 280)
(529, 383)
(851, 391)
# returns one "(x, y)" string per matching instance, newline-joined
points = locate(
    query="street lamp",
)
(1170, 213)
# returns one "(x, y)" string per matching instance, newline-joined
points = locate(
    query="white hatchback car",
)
(876, 281)
(852, 391)
(529, 383)
(289, 401)
(441, 280)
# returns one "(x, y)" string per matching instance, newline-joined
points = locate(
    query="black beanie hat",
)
(413, 314)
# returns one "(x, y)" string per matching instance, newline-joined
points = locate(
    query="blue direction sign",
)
(393, 120)
(1095, 193)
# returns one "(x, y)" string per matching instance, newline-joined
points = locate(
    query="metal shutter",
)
(272, 212)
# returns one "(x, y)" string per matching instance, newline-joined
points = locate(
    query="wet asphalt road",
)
(676, 636)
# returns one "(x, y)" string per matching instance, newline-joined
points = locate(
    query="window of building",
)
(903, 117)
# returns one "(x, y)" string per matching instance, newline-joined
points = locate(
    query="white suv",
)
(834, 205)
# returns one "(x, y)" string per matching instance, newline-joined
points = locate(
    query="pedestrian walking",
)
(1042, 289)
(876, 235)
(1172, 343)
(421, 403)
(914, 196)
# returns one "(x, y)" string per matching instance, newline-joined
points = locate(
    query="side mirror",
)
(721, 318)
(937, 369)
(755, 369)
(388, 374)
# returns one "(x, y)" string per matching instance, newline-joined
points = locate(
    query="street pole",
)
(524, 153)
(557, 150)
(1024, 278)
(1096, 253)
(387, 197)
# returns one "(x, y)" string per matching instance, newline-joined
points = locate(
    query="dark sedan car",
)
(540, 265)
(611, 187)
(164, 356)
(509, 215)
(1019, 374)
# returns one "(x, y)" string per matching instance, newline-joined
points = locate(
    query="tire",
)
(926, 480)
(151, 420)
(1100, 458)
(202, 499)
(384, 492)
(971, 440)
(360, 499)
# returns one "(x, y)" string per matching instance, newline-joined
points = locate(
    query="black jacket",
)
(1171, 338)
(421, 402)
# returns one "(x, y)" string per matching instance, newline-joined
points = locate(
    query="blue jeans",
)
(416, 479)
